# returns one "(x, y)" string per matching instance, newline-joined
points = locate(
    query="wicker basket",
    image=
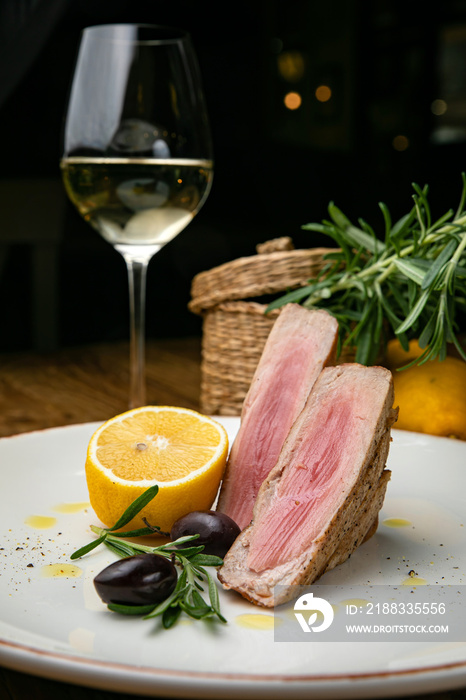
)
(235, 326)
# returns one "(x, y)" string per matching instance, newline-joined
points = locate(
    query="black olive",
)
(142, 579)
(216, 531)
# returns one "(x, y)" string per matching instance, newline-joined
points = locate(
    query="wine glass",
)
(137, 153)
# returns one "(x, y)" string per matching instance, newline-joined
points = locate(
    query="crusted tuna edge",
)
(310, 564)
(366, 524)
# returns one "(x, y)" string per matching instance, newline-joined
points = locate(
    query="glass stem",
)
(137, 273)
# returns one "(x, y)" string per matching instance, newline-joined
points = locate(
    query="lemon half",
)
(182, 451)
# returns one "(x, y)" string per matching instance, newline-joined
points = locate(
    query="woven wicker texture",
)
(255, 276)
(234, 335)
(235, 325)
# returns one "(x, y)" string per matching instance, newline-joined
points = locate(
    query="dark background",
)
(275, 169)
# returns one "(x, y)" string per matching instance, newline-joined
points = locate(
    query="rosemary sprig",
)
(409, 282)
(187, 595)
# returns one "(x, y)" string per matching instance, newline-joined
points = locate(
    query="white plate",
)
(58, 628)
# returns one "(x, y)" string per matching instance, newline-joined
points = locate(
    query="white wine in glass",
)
(137, 154)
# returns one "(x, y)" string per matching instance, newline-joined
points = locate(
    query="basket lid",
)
(277, 267)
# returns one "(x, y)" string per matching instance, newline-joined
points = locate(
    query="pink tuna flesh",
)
(271, 414)
(313, 484)
(265, 426)
(300, 344)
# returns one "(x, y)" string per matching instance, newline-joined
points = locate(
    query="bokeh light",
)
(292, 100)
(323, 93)
(400, 142)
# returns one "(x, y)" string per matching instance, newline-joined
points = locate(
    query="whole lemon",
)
(432, 398)
(396, 356)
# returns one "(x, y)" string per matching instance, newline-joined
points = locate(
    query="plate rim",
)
(68, 667)
(139, 679)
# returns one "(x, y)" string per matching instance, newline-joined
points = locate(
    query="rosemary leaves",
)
(187, 595)
(410, 281)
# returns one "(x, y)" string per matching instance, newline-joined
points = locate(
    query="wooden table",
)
(91, 384)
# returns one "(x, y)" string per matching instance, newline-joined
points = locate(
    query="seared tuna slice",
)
(322, 498)
(299, 345)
